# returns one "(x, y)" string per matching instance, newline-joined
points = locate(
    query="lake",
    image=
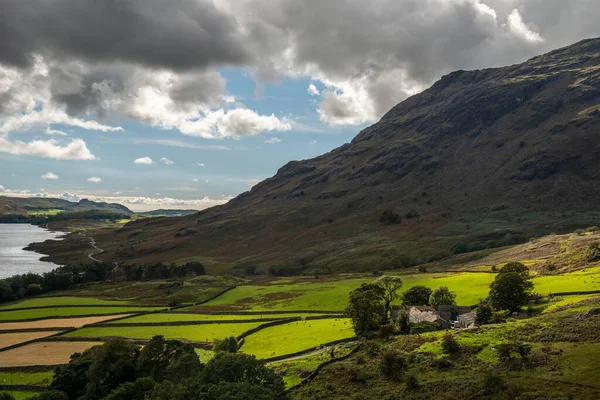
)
(13, 259)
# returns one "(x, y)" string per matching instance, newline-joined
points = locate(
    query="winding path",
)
(91, 255)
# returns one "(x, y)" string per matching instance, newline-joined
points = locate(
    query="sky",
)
(188, 103)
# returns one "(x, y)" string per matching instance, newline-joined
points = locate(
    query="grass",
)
(579, 281)
(312, 295)
(567, 301)
(20, 315)
(48, 212)
(296, 336)
(196, 333)
(178, 317)
(577, 363)
(295, 371)
(204, 355)
(21, 394)
(26, 378)
(61, 301)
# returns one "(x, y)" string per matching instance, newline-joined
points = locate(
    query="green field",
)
(296, 336)
(283, 296)
(177, 317)
(567, 301)
(48, 212)
(585, 280)
(196, 333)
(69, 312)
(26, 378)
(20, 394)
(62, 301)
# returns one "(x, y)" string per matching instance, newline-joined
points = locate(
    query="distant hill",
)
(168, 213)
(481, 159)
(27, 205)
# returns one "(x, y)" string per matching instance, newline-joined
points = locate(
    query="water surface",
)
(13, 259)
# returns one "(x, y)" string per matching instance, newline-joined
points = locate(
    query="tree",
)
(366, 308)
(417, 296)
(160, 359)
(390, 286)
(515, 267)
(510, 291)
(236, 376)
(403, 321)
(449, 344)
(442, 296)
(229, 345)
(72, 377)
(484, 313)
(132, 390)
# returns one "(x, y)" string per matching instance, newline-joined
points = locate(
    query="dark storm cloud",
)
(177, 34)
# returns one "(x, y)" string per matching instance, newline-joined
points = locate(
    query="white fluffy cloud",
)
(75, 150)
(50, 175)
(94, 179)
(272, 140)
(143, 161)
(166, 161)
(312, 90)
(234, 123)
(2, 188)
(50, 131)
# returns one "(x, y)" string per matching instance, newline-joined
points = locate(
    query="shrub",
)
(593, 229)
(417, 296)
(442, 364)
(386, 331)
(493, 384)
(594, 254)
(412, 214)
(504, 352)
(392, 364)
(579, 232)
(403, 321)
(412, 381)
(484, 313)
(551, 267)
(360, 359)
(372, 349)
(524, 350)
(498, 317)
(228, 345)
(449, 344)
(390, 217)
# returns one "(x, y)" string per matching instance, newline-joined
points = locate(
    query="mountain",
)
(167, 213)
(481, 159)
(25, 205)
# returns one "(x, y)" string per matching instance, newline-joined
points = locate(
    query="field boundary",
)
(583, 292)
(264, 326)
(70, 316)
(31, 388)
(32, 368)
(103, 339)
(306, 351)
(269, 312)
(28, 330)
(323, 365)
(331, 316)
(187, 323)
(84, 306)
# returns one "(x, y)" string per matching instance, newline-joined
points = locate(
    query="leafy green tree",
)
(515, 267)
(484, 313)
(237, 377)
(390, 286)
(72, 377)
(442, 296)
(510, 291)
(161, 359)
(403, 321)
(417, 296)
(524, 350)
(113, 363)
(132, 390)
(366, 308)
(228, 344)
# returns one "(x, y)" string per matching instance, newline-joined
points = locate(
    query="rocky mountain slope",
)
(481, 159)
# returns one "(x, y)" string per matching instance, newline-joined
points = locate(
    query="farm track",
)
(100, 251)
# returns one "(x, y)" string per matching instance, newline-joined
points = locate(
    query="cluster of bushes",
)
(27, 285)
(507, 240)
(161, 370)
(389, 217)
